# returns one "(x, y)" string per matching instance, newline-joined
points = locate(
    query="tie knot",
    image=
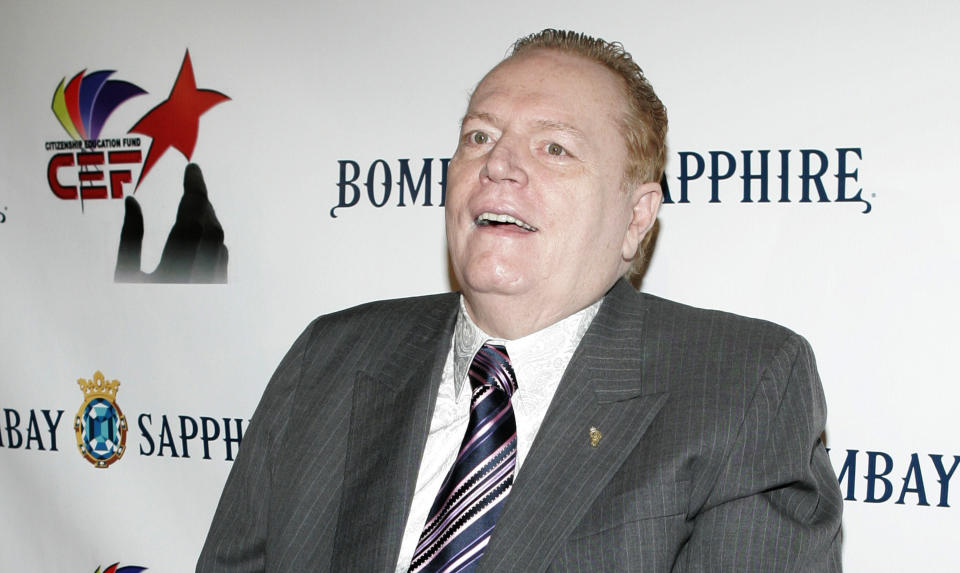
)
(491, 367)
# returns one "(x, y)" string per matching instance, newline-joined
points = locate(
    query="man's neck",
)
(510, 317)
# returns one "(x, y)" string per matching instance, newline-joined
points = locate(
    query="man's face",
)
(536, 207)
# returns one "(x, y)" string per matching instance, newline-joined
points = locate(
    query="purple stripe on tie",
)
(484, 430)
(505, 457)
(467, 492)
(472, 494)
(467, 529)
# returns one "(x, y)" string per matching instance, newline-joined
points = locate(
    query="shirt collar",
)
(468, 338)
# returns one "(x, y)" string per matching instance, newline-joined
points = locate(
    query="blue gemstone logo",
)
(100, 425)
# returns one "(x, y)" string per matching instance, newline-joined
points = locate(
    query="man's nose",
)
(505, 163)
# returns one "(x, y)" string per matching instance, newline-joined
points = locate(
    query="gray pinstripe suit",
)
(710, 458)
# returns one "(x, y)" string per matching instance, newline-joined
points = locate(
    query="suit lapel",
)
(563, 474)
(389, 423)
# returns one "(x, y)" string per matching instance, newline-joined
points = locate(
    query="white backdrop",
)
(315, 85)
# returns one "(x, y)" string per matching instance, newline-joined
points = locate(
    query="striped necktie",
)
(471, 497)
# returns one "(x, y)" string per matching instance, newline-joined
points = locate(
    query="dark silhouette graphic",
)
(194, 252)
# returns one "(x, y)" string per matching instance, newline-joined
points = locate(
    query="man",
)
(642, 435)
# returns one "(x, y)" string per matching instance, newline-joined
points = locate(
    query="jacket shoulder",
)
(367, 333)
(694, 324)
(386, 312)
(726, 344)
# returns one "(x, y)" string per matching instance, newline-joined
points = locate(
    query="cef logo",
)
(91, 166)
(100, 425)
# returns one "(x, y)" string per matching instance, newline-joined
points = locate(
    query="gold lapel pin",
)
(595, 436)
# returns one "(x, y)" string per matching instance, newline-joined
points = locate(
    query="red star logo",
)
(175, 122)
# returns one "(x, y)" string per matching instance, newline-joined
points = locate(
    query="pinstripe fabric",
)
(710, 458)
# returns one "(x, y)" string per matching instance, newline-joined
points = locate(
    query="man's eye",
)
(479, 137)
(556, 149)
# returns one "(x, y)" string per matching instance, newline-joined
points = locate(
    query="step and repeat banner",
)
(184, 186)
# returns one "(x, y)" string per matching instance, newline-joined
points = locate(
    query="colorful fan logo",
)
(126, 569)
(83, 104)
(102, 166)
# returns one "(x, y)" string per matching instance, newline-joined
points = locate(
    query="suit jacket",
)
(710, 457)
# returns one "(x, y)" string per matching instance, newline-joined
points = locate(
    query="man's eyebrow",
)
(546, 124)
(552, 125)
(482, 116)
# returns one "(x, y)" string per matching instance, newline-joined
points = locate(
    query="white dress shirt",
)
(538, 360)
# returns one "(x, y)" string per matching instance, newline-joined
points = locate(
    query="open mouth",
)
(497, 219)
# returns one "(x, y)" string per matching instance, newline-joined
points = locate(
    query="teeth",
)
(487, 218)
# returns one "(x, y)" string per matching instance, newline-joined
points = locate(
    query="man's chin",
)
(494, 283)
(492, 288)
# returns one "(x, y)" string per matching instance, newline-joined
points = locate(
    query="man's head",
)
(554, 182)
(644, 124)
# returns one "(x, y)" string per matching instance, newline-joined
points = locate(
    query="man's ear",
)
(645, 199)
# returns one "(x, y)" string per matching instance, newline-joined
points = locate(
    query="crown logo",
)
(100, 425)
(99, 387)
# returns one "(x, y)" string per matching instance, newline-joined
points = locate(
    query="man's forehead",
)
(548, 77)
